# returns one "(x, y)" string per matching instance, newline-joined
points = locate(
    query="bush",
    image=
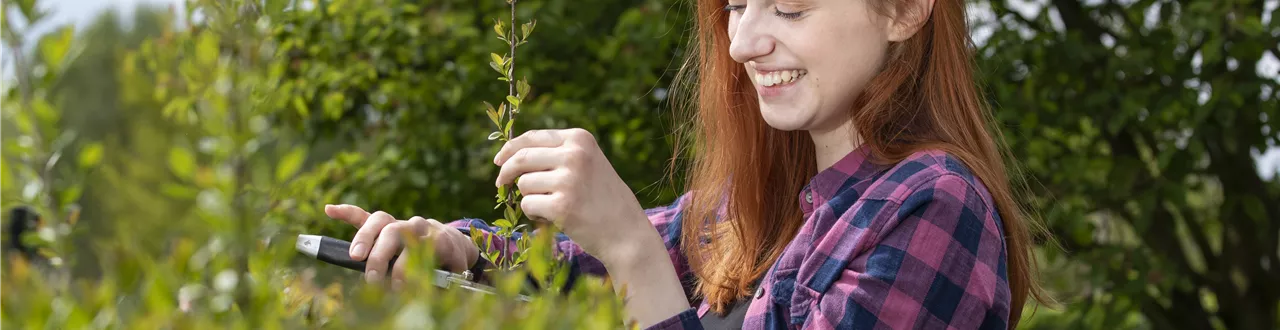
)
(247, 117)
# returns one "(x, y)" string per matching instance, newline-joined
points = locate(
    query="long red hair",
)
(925, 97)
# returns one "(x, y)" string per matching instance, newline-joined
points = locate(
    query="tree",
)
(1137, 123)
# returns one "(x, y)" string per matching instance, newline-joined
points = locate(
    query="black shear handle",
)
(336, 251)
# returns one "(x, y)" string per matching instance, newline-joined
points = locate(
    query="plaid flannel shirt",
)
(916, 244)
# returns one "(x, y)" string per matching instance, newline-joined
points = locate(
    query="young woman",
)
(845, 178)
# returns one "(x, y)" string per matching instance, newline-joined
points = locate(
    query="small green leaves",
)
(527, 28)
(493, 114)
(207, 49)
(497, 67)
(522, 88)
(500, 28)
(515, 102)
(91, 155)
(498, 59)
(181, 162)
(290, 164)
(494, 136)
(55, 47)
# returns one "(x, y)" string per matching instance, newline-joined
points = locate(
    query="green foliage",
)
(1137, 123)
(219, 171)
(173, 164)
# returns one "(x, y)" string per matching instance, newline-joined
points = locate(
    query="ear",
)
(908, 17)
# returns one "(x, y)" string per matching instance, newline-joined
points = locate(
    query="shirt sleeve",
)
(938, 263)
(665, 219)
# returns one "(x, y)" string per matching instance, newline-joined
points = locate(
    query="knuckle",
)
(519, 157)
(395, 228)
(579, 133)
(575, 156)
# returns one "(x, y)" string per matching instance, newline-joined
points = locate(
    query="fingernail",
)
(357, 251)
(371, 276)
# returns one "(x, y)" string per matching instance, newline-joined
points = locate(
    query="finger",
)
(526, 161)
(368, 233)
(530, 139)
(447, 252)
(544, 182)
(416, 226)
(351, 214)
(397, 271)
(388, 245)
(546, 207)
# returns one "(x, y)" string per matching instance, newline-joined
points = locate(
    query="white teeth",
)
(779, 77)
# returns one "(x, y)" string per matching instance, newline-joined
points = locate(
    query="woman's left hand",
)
(566, 179)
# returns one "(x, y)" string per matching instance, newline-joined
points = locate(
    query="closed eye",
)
(786, 15)
(733, 8)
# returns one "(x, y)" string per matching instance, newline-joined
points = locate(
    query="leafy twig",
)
(503, 118)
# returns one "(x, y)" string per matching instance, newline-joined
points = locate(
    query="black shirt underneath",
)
(733, 319)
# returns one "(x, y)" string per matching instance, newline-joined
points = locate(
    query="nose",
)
(748, 39)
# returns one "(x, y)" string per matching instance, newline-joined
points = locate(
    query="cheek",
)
(845, 70)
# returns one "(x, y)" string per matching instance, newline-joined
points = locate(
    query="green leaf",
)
(71, 194)
(497, 68)
(515, 102)
(290, 164)
(497, 58)
(181, 162)
(510, 213)
(91, 155)
(301, 106)
(522, 88)
(508, 128)
(494, 136)
(498, 26)
(527, 28)
(493, 115)
(1254, 208)
(207, 49)
(54, 48)
(24, 122)
(5, 177)
(502, 223)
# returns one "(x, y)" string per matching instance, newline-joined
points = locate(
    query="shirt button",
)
(759, 291)
(808, 196)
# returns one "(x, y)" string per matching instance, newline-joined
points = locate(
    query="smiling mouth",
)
(779, 78)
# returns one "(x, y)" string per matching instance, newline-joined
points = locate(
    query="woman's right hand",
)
(378, 239)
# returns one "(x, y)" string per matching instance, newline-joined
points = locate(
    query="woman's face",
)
(808, 59)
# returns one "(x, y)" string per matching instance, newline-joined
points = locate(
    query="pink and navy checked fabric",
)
(916, 244)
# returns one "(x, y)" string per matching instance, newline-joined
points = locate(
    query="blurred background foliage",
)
(174, 154)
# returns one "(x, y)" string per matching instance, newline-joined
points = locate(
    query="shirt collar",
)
(855, 166)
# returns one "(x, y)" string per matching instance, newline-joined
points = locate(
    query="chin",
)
(786, 119)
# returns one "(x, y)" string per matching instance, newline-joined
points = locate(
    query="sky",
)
(81, 12)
